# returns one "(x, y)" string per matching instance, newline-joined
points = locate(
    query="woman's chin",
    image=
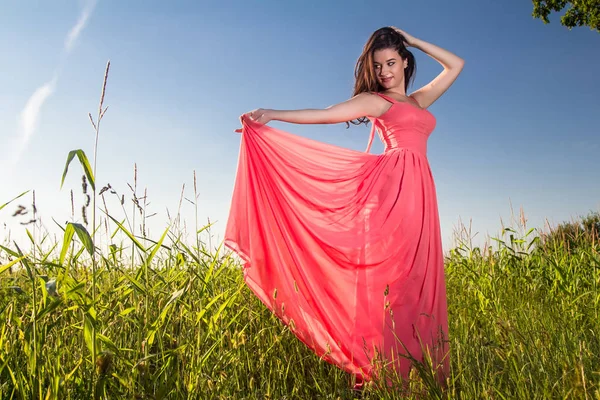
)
(392, 86)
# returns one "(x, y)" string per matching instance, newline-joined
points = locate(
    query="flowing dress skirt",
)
(344, 247)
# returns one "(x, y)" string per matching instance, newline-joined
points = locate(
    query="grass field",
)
(154, 318)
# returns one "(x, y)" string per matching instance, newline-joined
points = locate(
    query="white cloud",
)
(12, 148)
(81, 23)
(29, 116)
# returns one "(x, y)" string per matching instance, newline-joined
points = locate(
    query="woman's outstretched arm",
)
(452, 64)
(363, 104)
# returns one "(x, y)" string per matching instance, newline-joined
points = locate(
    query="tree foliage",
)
(572, 235)
(579, 13)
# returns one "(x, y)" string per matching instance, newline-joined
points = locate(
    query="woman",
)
(345, 246)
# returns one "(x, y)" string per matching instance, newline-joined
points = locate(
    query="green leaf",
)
(70, 374)
(9, 251)
(109, 343)
(227, 303)
(12, 375)
(133, 239)
(88, 333)
(205, 227)
(126, 311)
(136, 283)
(67, 238)
(156, 247)
(91, 312)
(77, 291)
(25, 262)
(59, 225)
(175, 296)
(49, 308)
(207, 306)
(10, 264)
(211, 269)
(166, 308)
(83, 160)
(30, 236)
(19, 196)
(84, 236)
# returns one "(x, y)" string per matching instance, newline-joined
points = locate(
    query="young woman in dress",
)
(345, 246)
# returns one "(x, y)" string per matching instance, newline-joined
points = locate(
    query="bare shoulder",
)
(415, 101)
(367, 97)
(368, 103)
(376, 104)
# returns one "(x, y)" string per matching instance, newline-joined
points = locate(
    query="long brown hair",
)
(364, 72)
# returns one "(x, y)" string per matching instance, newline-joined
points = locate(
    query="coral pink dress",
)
(345, 246)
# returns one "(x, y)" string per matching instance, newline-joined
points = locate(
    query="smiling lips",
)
(386, 79)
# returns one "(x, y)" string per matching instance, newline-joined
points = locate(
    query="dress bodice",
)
(403, 125)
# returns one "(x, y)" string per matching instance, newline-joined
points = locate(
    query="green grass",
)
(523, 325)
(153, 318)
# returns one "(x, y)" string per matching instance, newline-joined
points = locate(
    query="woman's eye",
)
(391, 63)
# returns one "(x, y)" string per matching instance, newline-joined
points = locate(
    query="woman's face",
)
(389, 68)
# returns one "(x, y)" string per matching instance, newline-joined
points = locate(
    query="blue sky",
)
(520, 125)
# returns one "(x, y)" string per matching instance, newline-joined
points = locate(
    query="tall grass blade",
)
(84, 237)
(67, 238)
(85, 164)
(10, 201)
(10, 264)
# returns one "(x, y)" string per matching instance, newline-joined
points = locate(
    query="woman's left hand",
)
(261, 116)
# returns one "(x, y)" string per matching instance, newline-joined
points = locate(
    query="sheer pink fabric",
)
(345, 246)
